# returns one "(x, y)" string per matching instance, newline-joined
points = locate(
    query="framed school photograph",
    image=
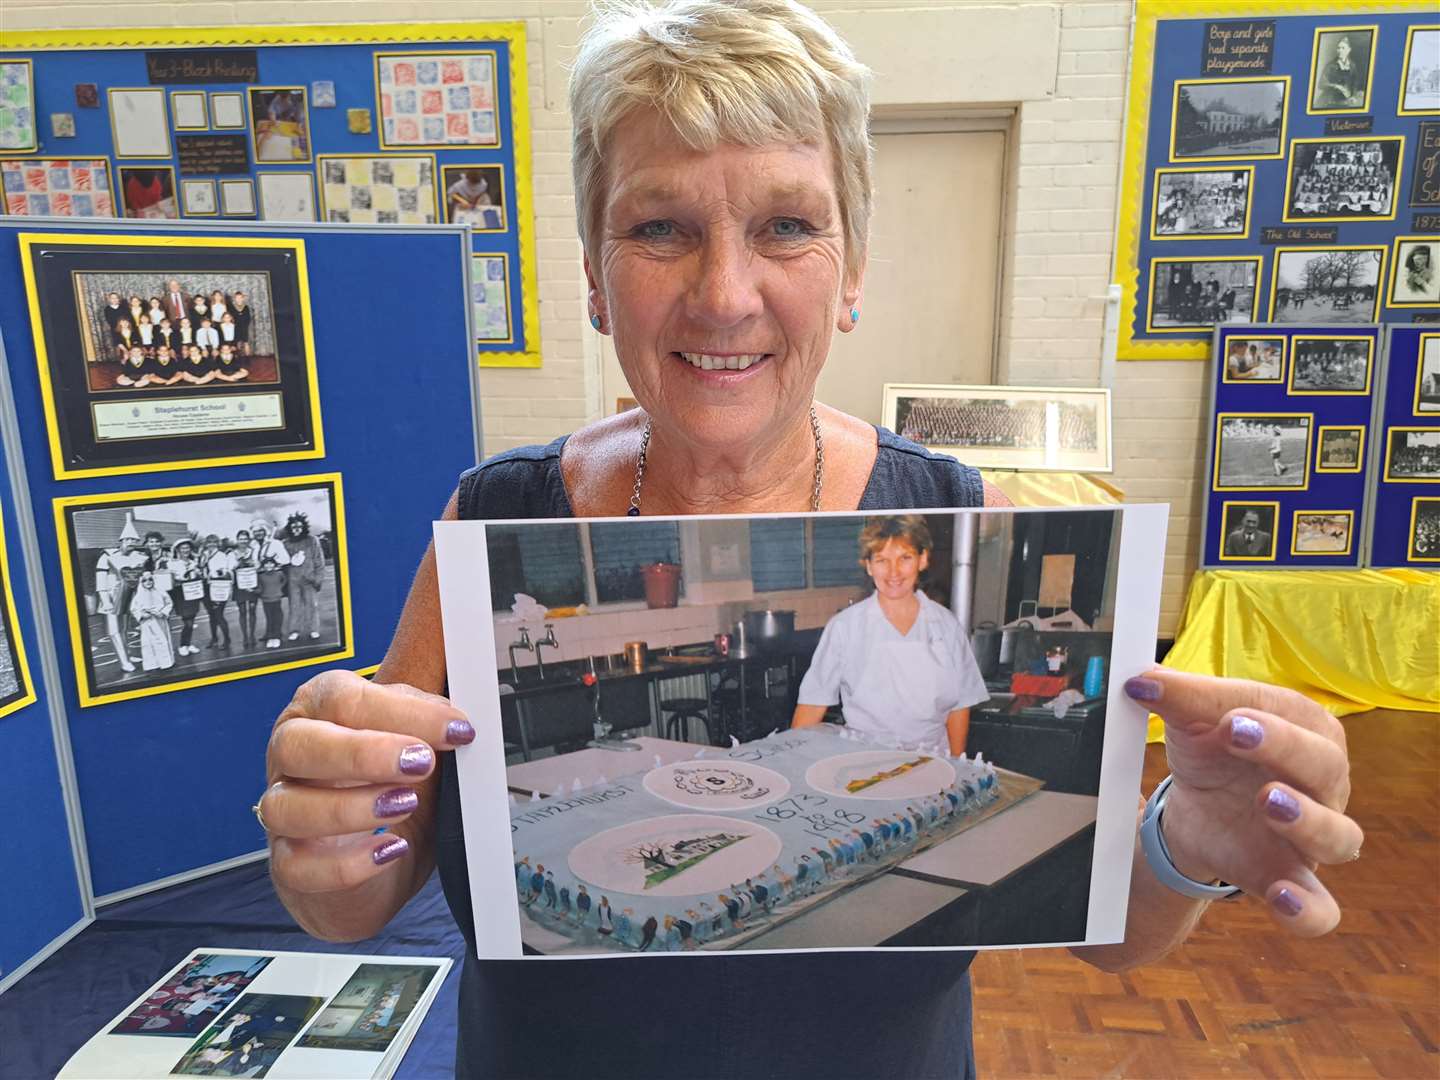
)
(1331, 364)
(1343, 179)
(1249, 530)
(148, 193)
(1261, 451)
(280, 124)
(1326, 285)
(1420, 79)
(1341, 69)
(1229, 118)
(1340, 448)
(1254, 359)
(1424, 530)
(16, 689)
(474, 196)
(57, 187)
(1414, 280)
(1427, 376)
(1005, 427)
(1412, 455)
(1322, 532)
(436, 100)
(183, 587)
(389, 189)
(162, 353)
(1202, 203)
(1196, 293)
(19, 132)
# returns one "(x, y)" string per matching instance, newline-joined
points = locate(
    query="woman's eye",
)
(656, 230)
(789, 227)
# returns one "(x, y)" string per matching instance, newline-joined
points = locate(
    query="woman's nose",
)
(726, 289)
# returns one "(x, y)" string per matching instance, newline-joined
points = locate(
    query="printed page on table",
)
(809, 731)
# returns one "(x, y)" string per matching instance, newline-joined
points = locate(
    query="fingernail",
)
(1143, 689)
(396, 801)
(1286, 902)
(390, 850)
(459, 733)
(416, 760)
(1281, 805)
(1245, 733)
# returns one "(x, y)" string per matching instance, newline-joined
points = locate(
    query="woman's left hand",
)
(1260, 783)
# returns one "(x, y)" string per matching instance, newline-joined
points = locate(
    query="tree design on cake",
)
(663, 860)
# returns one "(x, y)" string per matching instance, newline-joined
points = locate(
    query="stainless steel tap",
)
(523, 643)
(548, 641)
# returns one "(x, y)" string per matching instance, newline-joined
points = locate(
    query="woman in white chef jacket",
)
(898, 663)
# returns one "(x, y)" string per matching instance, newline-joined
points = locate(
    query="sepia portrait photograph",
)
(1414, 281)
(1341, 69)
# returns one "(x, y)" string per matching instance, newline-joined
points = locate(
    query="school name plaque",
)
(119, 420)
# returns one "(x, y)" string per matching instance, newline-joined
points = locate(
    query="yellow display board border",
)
(380, 34)
(11, 618)
(1148, 13)
(88, 696)
(58, 464)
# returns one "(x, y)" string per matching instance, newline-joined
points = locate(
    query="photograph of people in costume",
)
(822, 700)
(181, 589)
(146, 330)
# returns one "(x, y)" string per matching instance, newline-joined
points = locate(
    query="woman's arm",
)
(807, 715)
(957, 728)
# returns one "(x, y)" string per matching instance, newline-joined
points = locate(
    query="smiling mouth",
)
(713, 362)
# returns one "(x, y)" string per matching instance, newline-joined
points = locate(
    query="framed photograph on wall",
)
(1340, 448)
(1412, 455)
(474, 195)
(1326, 285)
(1201, 203)
(1322, 532)
(1414, 278)
(1249, 529)
(1262, 451)
(1005, 427)
(183, 587)
(280, 124)
(1189, 293)
(1229, 118)
(1258, 359)
(1427, 376)
(1341, 69)
(148, 192)
(16, 689)
(1420, 79)
(1331, 364)
(238, 387)
(1343, 179)
(1425, 530)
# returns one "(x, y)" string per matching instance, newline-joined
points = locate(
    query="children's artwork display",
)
(184, 587)
(1405, 484)
(1290, 413)
(403, 124)
(1276, 165)
(488, 281)
(164, 353)
(223, 1012)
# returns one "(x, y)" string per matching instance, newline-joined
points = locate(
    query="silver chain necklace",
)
(634, 510)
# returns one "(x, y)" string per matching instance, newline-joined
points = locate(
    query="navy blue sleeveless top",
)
(900, 1014)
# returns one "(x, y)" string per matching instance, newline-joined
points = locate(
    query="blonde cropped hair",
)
(910, 529)
(748, 72)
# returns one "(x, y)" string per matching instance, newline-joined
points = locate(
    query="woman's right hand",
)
(346, 757)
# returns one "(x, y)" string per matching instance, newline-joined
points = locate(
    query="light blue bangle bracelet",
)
(1157, 855)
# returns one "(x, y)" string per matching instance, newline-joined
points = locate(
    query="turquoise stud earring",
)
(854, 315)
(595, 321)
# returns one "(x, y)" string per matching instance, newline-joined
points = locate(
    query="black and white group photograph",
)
(1413, 280)
(1425, 530)
(1254, 359)
(1342, 179)
(1199, 203)
(1321, 532)
(1340, 69)
(183, 590)
(1427, 376)
(1331, 365)
(1340, 448)
(1420, 83)
(1227, 118)
(1260, 452)
(1249, 530)
(1326, 285)
(1191, 294)
(1413, 455)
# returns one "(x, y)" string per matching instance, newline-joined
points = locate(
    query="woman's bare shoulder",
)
(598, 464)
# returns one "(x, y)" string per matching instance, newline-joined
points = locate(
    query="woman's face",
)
(896, 568)
(720, 274)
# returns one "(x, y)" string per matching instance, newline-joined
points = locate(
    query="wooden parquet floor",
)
(1241, 998)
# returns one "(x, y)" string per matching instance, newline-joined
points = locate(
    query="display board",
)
(1405, 466)
(1280, 165)
(169, 755)
(1289, 435)
(397, 123)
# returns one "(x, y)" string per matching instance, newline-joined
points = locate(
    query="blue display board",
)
(1405, 529)
(169, 764)
(346, 123)
(1279, 165)
(1289, 440)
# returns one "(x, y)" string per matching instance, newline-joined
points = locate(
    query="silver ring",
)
(266, 829)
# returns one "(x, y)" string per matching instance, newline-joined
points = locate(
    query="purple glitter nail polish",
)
(1245, 733)
(390, 850)
(459, 733)
(416, 760)
(1287, 903)
(1281, 805)
(1142, 689)
(396, 801)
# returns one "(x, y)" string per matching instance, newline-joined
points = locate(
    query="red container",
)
(662, 585)
(1046, 686)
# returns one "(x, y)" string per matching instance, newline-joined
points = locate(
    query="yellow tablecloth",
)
(1054, 488)
(1350, 639)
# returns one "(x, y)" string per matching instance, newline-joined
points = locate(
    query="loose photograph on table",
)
(1420, 80)
(249, 1039)
(1322, 532)
(279, 124)
(187, 586)
(1412, 455)
(810, 703)
(1414, 281)
(1341, 69)
(58, 187)
(1326, 285)
(1012, 427)
(1254, 359)
(192, 997)
(475, 196)
(148, 193)
(1331, 365)
(1229, 118)
(1188, 294)
(1427, 376)
(1200, 203)
(370, 1009)
(1249, 530)
(1338, 179)
(1425, 530)
(1259, 451)
(1341, 448)
(179, 352)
